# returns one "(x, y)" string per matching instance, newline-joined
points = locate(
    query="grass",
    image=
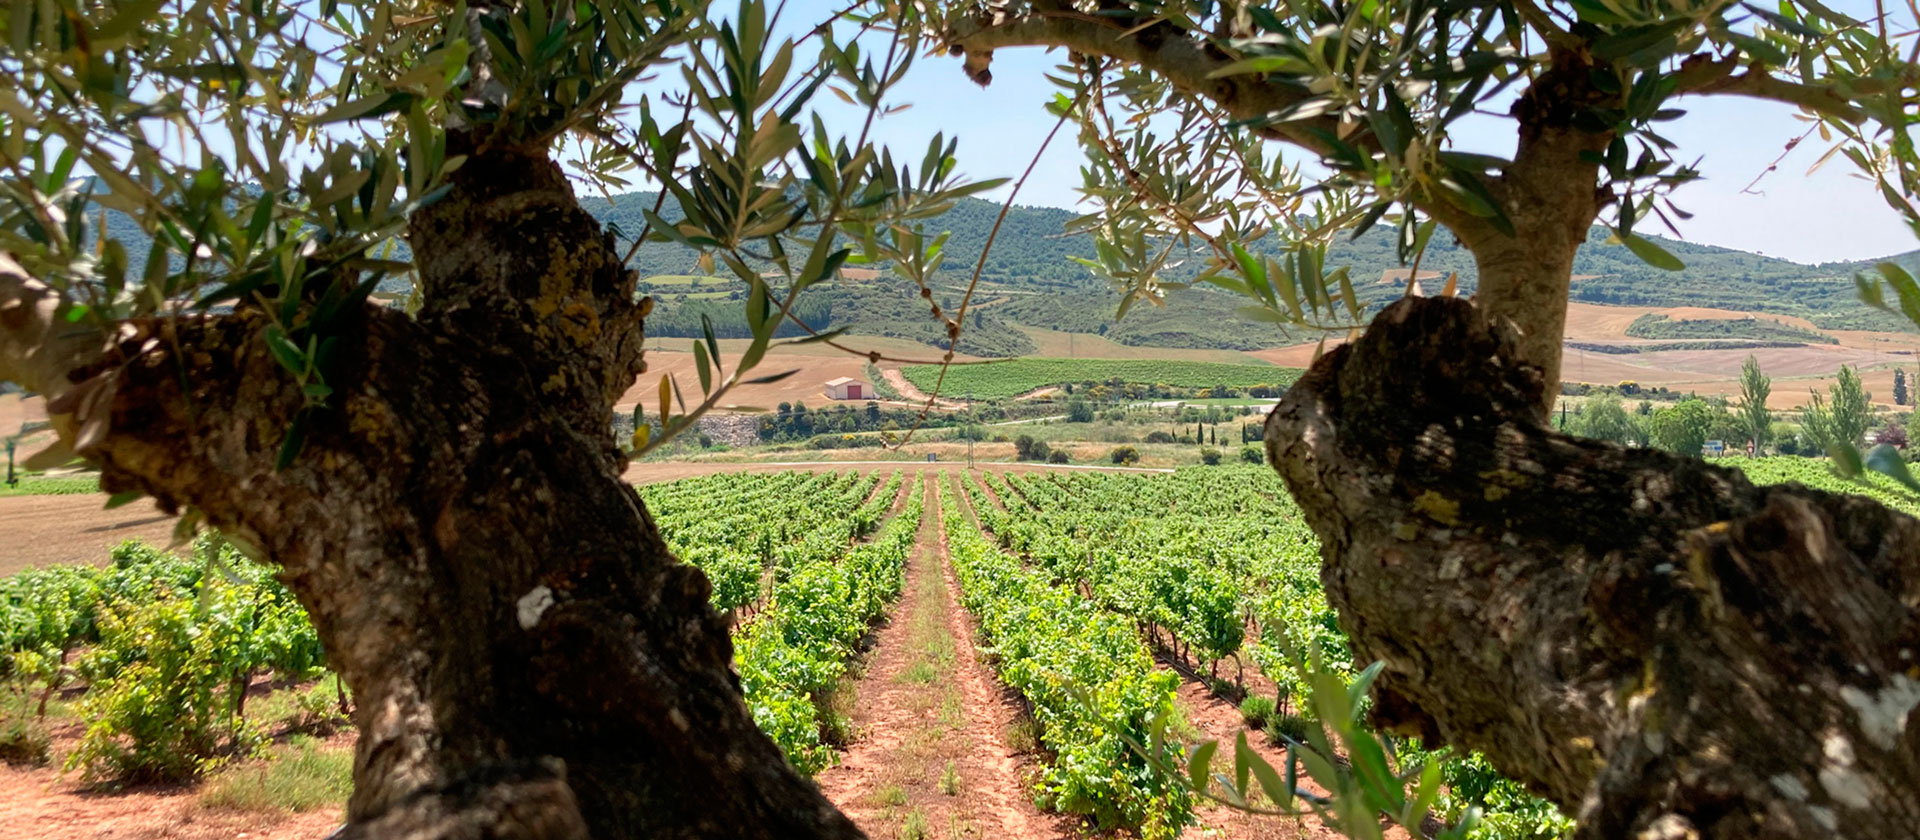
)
(298, 776)
(950, 780)
(1000, 380)
(54, 485)
(915, 827)
(920, 673)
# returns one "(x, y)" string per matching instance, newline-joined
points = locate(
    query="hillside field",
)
(1001, 380)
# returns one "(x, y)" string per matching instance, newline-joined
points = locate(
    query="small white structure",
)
(848, 388)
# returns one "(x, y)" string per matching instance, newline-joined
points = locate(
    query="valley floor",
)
(940, 748)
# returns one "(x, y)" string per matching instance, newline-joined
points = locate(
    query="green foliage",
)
(826, 591)
(1252, 455)
(1755, 387)
(950, 780)
(1025, 448)
(1604, 417)
(1079, 410)
(881, 386)
(1124, 455)
(1764, 329)
(1195, 577)
(1681, 428)
(170, 670)
(24, 741)
(1821, 475)
(1506, 810)
(1001, 380)
(1209, 456)
(45, 485)
(1258, 710)
(1839, 419)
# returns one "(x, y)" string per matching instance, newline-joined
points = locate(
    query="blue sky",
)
(1829, 216)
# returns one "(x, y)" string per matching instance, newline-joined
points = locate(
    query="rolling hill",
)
(1034, 282)
(1030, 280)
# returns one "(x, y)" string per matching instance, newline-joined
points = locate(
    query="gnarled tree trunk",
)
(1648, 640)
(528, 658)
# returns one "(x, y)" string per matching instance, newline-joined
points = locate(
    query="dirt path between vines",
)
(932, 756)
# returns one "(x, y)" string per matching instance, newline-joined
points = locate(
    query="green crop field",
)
(1818, 473)
(999, 380)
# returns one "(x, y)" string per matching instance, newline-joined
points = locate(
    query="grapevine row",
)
(1087, 675)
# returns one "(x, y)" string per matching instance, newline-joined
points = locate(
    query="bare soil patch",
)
(932, 723)
(45, 530)
(43, 802)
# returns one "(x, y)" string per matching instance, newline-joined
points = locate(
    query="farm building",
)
(849, 388)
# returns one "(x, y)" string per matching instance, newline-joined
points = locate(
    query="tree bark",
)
(1549, 196)
(1650, 641)
(528, 658)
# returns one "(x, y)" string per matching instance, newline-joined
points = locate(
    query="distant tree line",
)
(1842, 416)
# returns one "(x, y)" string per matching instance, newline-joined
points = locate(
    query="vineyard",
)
(1216, 568)
(1102, 602)
(1001, 380)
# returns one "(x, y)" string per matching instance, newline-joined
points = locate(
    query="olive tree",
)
(1605, 418)
(440, 485)
(1652, 642)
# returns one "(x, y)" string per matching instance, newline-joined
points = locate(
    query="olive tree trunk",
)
(528, 658)
(1650, 641)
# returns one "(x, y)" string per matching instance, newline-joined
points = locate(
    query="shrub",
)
(1057, 456)
(24, 742)
(1290, 727)
(1025, 448)
(1251, 454)
(1124, 455)
(1257, 710)
(173, 661)
(171, 710)
(1159, 437)
(1210, 456)
(1079, 411)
